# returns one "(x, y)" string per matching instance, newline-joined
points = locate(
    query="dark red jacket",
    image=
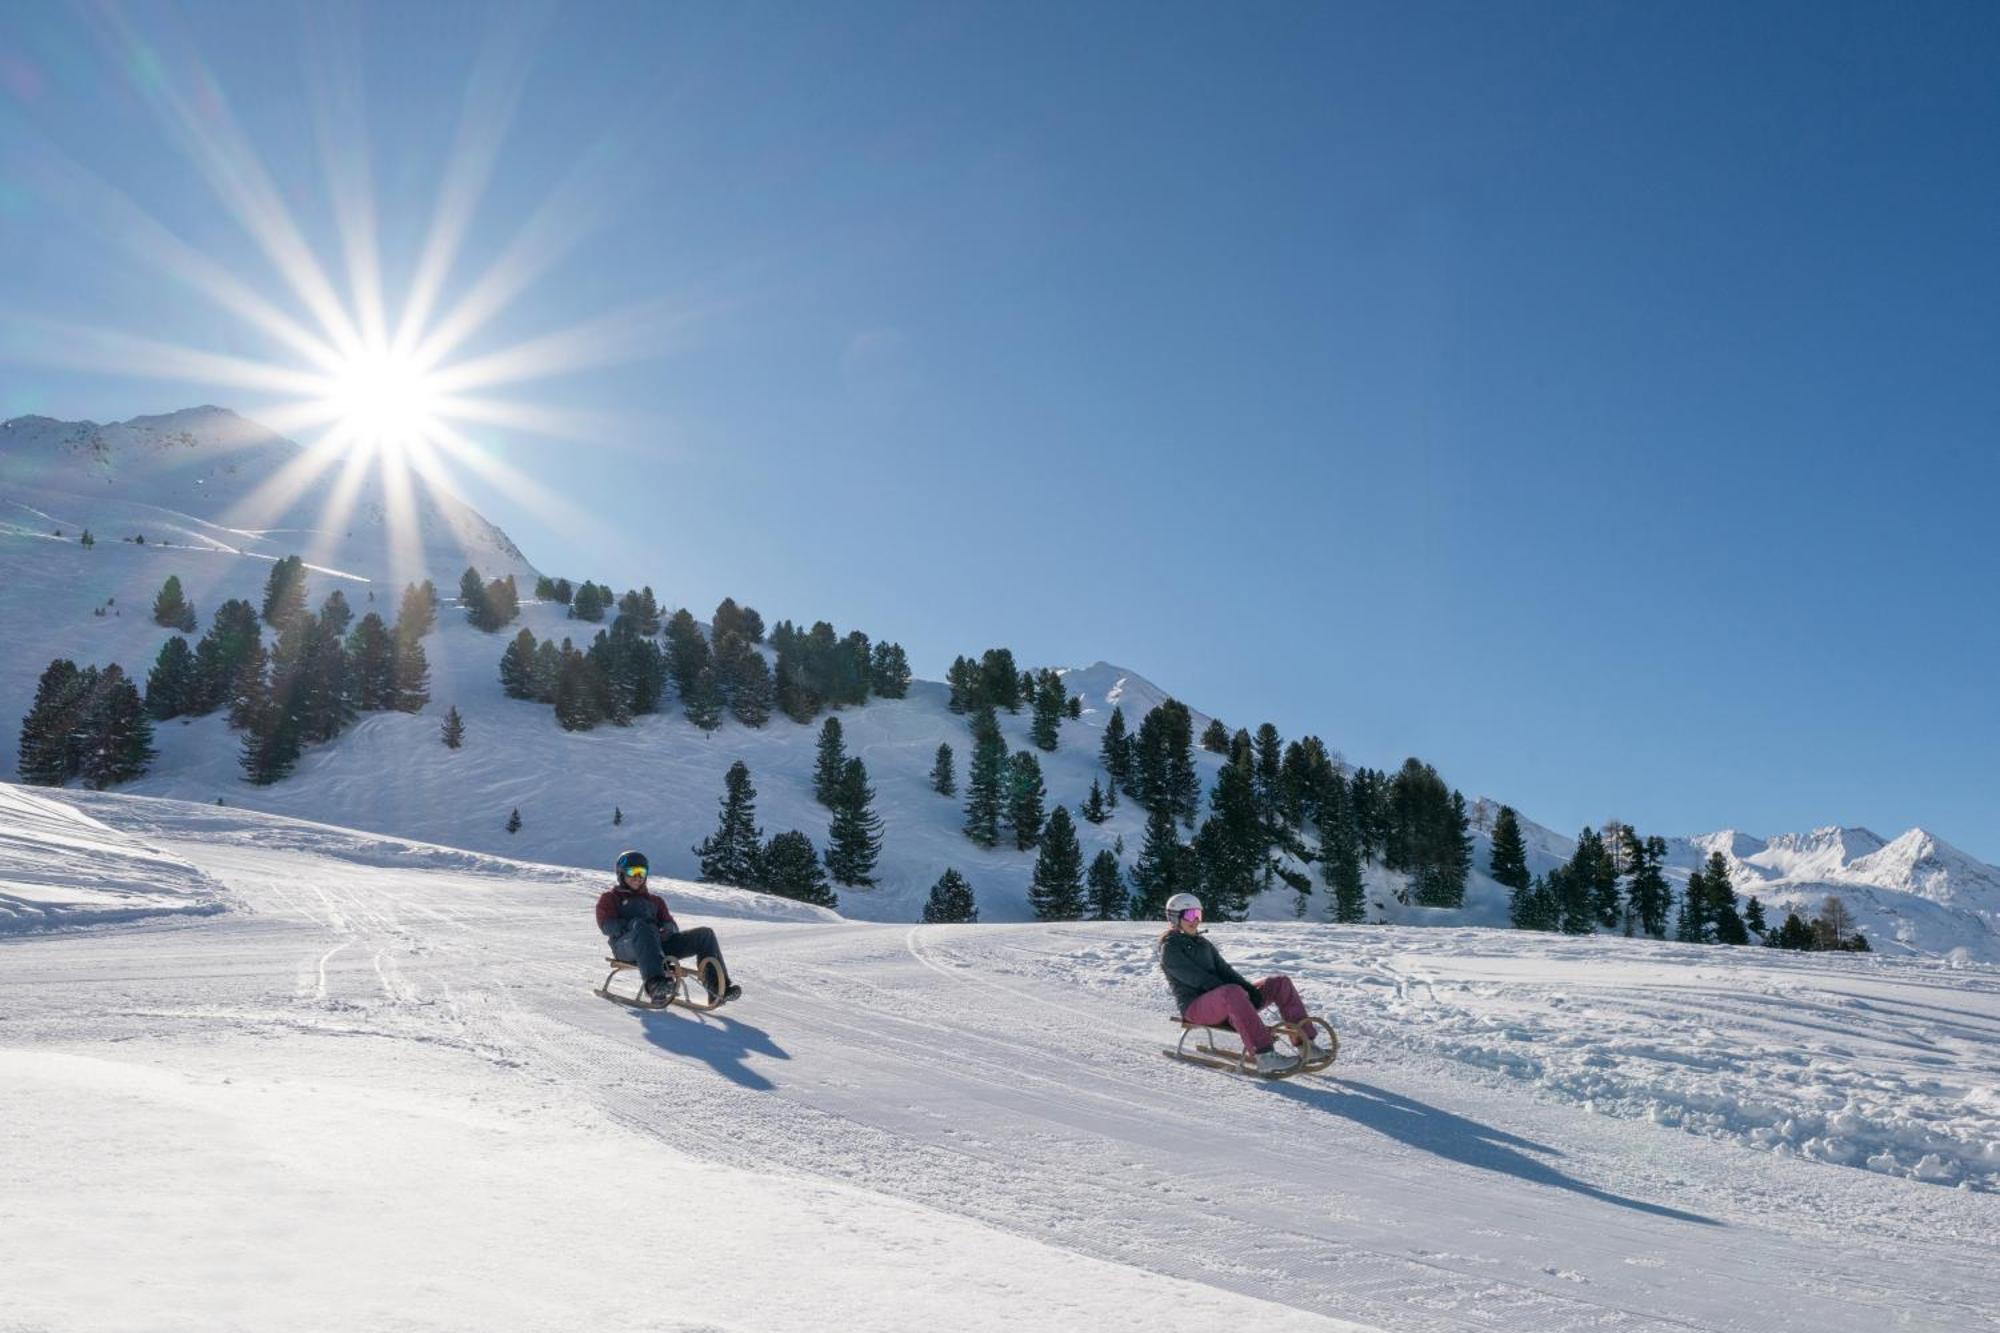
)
(619, 905)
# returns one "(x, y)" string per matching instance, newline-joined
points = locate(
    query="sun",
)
(382, 401)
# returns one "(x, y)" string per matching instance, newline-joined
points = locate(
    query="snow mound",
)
(60, 867)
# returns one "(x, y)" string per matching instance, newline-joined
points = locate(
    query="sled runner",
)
(1239, 1061)
(708, 974)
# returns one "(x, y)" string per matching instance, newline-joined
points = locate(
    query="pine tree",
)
(1267, 777)
(1094, 808)
(417, 615)
(730, 854)
(1340, 849)
(1106, 888)
(586, 603)
(950, 901)
(1000, 679)
(703, 703)
(172, 686)
(1230, 846)
(335, 613)
(617, 816)
(371, 663)
(1691, 923)
(944, 777)
(831, 764)
(517, 667)
(1753, 916)
(1115, 752)
(1508, 864)
(1056, 893)
(548, 671)
(51, 733)
(1025, 796)
(1046, 728)
(453, 731)
(889, 671)
(745, 679)
(986, 779)
(1215, 737)
(1646, 894)
(961, 679)
(514, 821)
(86, 540)
(1165, 867)
(577, 699)
(854, 842)
(1729, 928)
(233, 634)
(1576, 886)
(790, 868)
(171, 609)
(285, 593)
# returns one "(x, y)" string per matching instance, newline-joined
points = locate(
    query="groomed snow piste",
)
(377, 1092)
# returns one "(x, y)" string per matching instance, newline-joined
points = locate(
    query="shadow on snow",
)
(1460, 1140)
(721, 1043)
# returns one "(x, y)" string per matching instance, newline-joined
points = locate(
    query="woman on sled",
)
(1208, 991)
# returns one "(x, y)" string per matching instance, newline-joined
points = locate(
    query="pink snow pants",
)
(1231, 1005)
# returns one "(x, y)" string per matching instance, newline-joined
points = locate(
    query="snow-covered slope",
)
(188, 477)
(209, 479)
(59, 867)
(381, 1094)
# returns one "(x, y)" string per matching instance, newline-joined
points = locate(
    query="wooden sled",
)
(1240, 1061)
(708, 973)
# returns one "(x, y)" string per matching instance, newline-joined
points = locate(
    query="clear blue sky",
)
(1599, 400)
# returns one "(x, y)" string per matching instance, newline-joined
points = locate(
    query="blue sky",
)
(1598, 400)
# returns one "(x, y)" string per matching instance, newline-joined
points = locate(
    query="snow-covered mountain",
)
(198, 485)
(207, 478)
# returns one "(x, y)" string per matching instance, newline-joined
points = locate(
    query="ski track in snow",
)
(1008, 1078)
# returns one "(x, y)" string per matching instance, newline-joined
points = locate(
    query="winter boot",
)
(1271, 1062)
(660, 991)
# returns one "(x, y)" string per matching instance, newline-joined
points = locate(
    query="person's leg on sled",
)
(701, 944)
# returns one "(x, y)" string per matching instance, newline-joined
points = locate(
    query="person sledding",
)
(642, 931)
(1210, 992)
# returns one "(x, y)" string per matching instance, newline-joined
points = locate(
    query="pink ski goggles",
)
(1191, 914)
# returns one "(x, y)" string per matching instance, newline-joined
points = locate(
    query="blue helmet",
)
(631, 861)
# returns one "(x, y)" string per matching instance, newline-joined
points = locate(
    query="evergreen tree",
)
(171, 609)
(545, 589)
(1794, 934)
(950, 901)
(578, 691)
(232, 634)
(687, 652)
(791, 869)
(335, 613)
(854, 842)
(617, 816)
(1753, 916)
(962, 678)
(53, 730)
(1115, 752)
(1094, 808)
(514, 821)
(417, 615)
(986, 779)
(1537, 905)
(285, 593)
(517, 667)
(831, 765)
(1164, 867)
(703, 704)
(1230, 846)
(1162, 762)
(641, 612)
(889, 671)
(729, 855)
(1000, 679)
(1340, 849)
(1267, 777)
(453, 731)
(1576, 887)
(1056, 893)
(586, 604)
(472, 597)
(371, 663)
(413, 677)
(1046, 729)
(1215, 737)
(1647, 895)
(172, 686)
(1508, 865)
(944, 777)
(87, 541)
(1427, 835)
(1105, 888)
(1025, 796)
(1729, 928)
(249, 693)
(548, 671)
(745, 679)
(1691, 923)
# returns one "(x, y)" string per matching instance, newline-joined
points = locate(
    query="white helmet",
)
(1179, 903)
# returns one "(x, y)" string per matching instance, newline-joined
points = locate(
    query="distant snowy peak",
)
(1915, 862)
(1104, 687)
(239, 481)
(1931, 868)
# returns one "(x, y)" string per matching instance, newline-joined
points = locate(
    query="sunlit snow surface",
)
(377, 1092)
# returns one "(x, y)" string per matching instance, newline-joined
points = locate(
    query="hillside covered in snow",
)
(378, 1092)
(217, 500)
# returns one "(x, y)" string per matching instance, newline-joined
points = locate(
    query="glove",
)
(1256, 998)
